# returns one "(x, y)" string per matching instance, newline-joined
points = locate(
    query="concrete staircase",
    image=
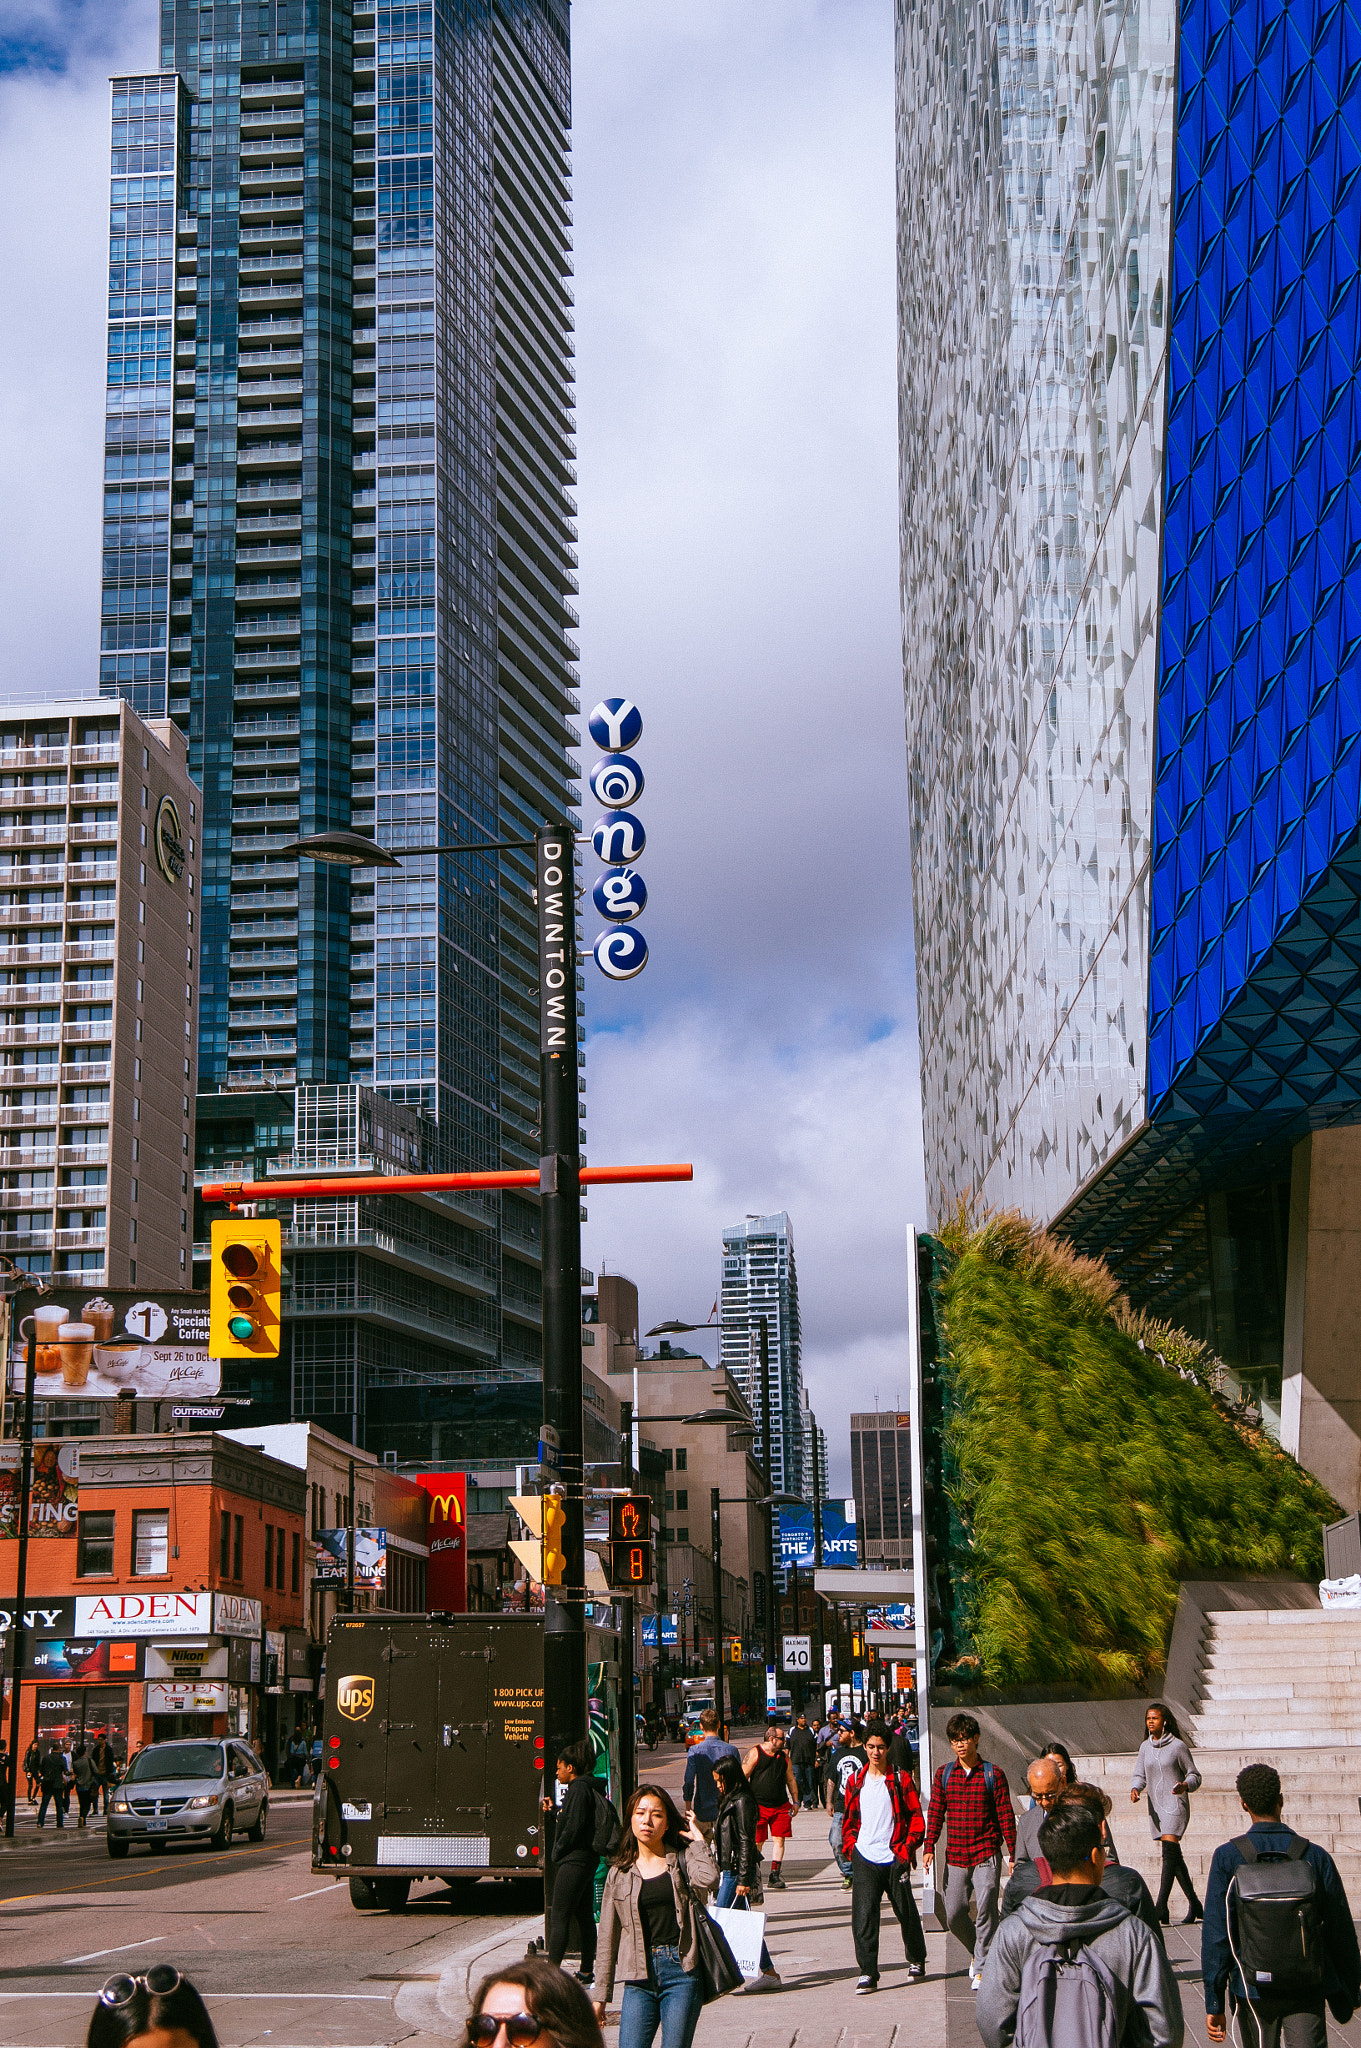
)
(1278, 1686)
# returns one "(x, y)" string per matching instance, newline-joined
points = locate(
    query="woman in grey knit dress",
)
(1164, 1769)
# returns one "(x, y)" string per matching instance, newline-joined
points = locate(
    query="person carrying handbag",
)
(738, 1858)
(649, 1932)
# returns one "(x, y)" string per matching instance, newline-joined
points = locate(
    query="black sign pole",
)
(769, 1511)
(564, 1615)
(628, 1727)
(20, 1632)
(716, 1545)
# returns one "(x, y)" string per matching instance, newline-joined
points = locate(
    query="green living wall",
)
(1092, 1466)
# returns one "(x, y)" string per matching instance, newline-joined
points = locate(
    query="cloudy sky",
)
(735, 326)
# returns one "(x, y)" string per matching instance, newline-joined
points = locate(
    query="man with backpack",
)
(587, 1829)
(970, 1799)
(1071, 1968)
(1278, 1933)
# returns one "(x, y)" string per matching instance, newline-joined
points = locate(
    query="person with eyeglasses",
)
(160, 2010)
(532, 2002)
(1046, 1779)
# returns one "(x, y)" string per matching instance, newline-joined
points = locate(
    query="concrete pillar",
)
(1321, 1367)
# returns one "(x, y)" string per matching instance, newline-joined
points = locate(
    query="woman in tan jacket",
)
(647, 1927)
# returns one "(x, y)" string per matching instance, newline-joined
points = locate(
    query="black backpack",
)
(1280, 1942)
(605, 1840)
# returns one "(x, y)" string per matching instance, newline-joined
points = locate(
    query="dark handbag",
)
(715, 1964)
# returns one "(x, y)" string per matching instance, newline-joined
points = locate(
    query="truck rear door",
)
(516, 1764)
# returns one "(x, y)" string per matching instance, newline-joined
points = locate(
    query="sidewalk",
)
(808, 1929)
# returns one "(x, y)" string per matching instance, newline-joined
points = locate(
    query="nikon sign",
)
(446, 1533)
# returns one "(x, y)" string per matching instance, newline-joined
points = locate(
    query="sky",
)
(739, 581)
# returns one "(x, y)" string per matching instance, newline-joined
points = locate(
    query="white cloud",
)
(829, 1131)
(54, 249)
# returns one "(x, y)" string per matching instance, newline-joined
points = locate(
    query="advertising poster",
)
(840, 1551)
(370, 1556)
(446, 1529)
(83, 1345)
(52, 1497)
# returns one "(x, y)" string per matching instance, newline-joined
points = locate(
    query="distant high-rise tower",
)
(881, 1477)
(339, 552)
(760, 1279)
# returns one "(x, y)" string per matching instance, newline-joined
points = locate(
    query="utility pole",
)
(820, 1690)
(628, 1726)
(564, 1617)
(20, 1630)
(349, 1546)
(716, 1546)
(769, 1510)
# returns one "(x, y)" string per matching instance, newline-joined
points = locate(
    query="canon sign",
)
(446, 1530)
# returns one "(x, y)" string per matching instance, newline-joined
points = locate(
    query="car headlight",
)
(206, 1799)
(120, 1806)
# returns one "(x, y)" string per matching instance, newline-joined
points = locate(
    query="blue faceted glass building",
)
(1132, 612)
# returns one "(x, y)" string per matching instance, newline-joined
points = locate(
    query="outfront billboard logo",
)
(354, 1697)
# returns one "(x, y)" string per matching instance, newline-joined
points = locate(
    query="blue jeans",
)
(671, 2001)
(726, 1895)
(805, 1779)
(58, 1806)
(843, 1861)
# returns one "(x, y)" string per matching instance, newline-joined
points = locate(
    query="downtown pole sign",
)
(620, 953)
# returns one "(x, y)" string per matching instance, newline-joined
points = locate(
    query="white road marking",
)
(96, 1953)
(310, 1895)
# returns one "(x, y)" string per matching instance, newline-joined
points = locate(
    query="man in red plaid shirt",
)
(971, 1800)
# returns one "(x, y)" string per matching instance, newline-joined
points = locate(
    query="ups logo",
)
(354, 1697)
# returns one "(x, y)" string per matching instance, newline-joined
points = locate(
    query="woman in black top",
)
(574, 1858)
(654, 1890)
(737, 1856)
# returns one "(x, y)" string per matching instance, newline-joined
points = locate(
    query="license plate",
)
(153, 1825)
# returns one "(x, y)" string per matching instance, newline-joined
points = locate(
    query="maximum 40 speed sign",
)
(797, 1653)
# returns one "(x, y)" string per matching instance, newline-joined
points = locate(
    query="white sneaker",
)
(751, 1987)
(865, 1986)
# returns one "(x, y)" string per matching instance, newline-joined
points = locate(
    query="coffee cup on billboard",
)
(119, 1358)
(99, 1315)
(76, 1345)
(45, 1324)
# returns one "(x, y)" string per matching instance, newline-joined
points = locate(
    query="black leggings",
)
(573, 1895)
(1174, 1868)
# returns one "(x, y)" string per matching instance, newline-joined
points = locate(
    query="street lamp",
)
(717, 1502)
(353, 850)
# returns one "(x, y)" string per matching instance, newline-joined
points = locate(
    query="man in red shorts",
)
(771, 1776)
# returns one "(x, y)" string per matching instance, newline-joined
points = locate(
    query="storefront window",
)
(80, 1713)
(94, 1546)
(150, 1543)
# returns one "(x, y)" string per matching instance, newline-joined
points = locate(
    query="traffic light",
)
(244, 1288)
(631, 1565)
(554, 1537)
(630, 1517)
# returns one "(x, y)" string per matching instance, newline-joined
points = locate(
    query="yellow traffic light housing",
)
(244, 1288)
(554, 1539)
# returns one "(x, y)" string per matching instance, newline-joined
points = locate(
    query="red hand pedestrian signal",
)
(631, 1518)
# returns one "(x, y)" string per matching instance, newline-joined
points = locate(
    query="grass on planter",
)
(1093, 1478)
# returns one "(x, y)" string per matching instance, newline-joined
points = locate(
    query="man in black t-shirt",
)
(841, 1766)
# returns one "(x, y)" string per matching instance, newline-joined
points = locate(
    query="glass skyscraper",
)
(761, 1279)
(339, 553)
(1129, 362)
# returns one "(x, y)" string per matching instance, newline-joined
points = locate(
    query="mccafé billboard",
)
(446, 1530)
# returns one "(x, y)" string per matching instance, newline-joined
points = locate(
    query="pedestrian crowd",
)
(55, 1769)
(1068, 1952)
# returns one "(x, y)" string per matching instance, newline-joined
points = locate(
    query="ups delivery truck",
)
(433, 1759)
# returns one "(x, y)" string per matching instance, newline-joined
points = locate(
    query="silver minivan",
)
(196, 1790)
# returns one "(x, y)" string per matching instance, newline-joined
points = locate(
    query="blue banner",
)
(840, 1551)
(669, 1632)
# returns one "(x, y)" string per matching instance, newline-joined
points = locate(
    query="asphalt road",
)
(280, 1955)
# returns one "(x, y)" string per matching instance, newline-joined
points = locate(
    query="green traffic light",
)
(241, 1328)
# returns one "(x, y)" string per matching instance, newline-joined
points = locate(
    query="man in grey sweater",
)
(1073, 1910)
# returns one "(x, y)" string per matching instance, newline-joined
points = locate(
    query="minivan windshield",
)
(176, 1760)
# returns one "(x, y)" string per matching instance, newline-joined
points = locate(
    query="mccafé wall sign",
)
(446, 1533)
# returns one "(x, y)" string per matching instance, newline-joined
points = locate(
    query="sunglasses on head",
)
(160, 1980)
(521, 2027)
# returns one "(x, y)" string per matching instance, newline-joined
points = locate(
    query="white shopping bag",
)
(745, 1931)
(933, 1906)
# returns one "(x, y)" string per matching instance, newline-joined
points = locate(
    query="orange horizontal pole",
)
(234, 1191)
